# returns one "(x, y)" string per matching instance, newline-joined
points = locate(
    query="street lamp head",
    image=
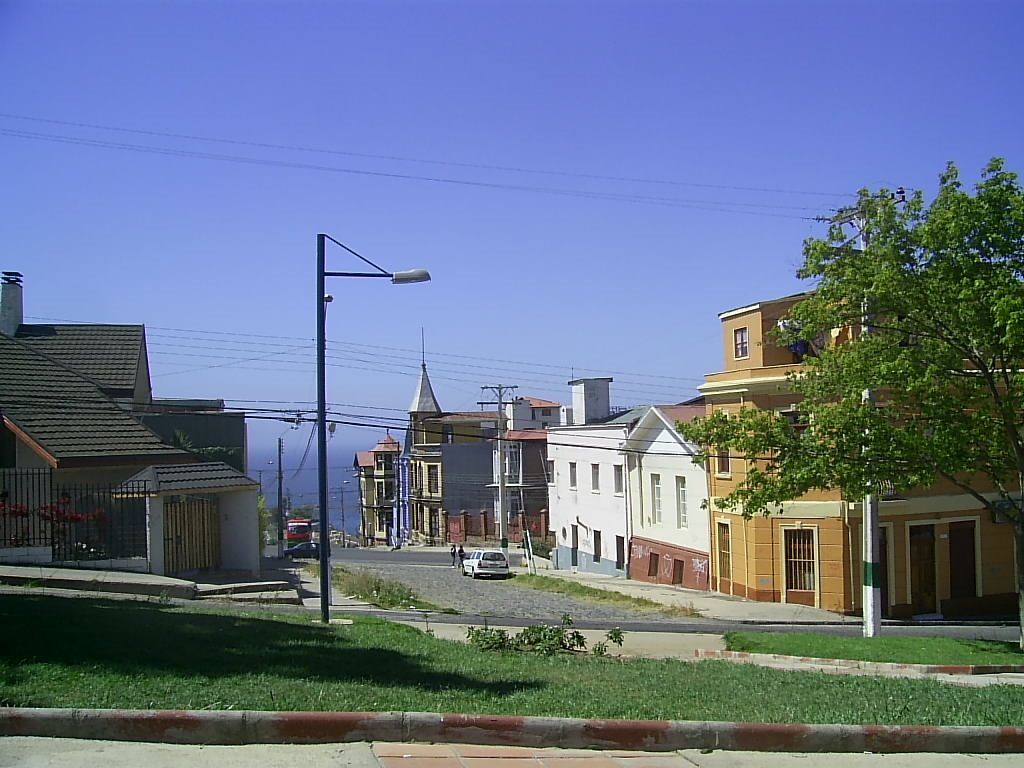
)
(410, 276)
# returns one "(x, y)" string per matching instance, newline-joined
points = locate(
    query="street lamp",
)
(322, 300)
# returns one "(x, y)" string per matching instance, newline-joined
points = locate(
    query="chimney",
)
(590, 400)
(11, 310)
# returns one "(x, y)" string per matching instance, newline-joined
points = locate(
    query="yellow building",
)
(376, 469)
(941, 551)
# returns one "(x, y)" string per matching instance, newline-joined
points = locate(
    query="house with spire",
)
(445, 468)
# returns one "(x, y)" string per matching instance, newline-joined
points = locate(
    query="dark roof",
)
(68, 415)
(179, 478)
(107, 354)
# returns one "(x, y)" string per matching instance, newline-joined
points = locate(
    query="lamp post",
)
(322, 300)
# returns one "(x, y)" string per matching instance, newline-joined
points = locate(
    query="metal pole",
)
(321, 430)
(280, 499)
(871, 570)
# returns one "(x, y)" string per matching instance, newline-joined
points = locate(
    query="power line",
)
(700, 205)
(406, 159)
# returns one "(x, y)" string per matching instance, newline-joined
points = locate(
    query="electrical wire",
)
(406, 159)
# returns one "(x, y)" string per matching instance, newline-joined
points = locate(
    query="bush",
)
(545, 639)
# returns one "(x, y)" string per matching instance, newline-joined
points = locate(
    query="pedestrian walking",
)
(455, 556)
(462, 555)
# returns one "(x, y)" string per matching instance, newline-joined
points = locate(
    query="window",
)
(656, 499)
(550, 471)
(741, 343)
(447, 434)
(572, 475)
(617, 479)
(620, 553)
(385, 462)
(513, 462)
(545, 412)
(681, 521)
(432, 479)
(722, 462)
(595, 478)
(799, 546)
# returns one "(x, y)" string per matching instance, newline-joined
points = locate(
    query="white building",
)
(669, 525)
(587, 490)
(534, 413)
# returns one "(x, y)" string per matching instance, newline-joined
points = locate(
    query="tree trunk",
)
(1018, 530)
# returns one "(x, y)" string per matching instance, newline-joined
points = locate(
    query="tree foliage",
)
(944, 285)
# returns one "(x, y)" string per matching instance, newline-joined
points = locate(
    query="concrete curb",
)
(240, 727)
(873, 666)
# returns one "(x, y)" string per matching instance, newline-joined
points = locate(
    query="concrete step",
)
(241, 588)
(274, 597)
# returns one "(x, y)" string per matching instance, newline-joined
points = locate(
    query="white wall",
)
(604, 510)
(239, 531)
(657, 449)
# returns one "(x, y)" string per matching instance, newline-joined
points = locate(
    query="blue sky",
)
(752, 117)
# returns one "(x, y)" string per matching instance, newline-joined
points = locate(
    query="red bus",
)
(299, 529)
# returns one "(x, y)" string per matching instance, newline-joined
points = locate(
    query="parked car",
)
(306, 550)
(486, 562)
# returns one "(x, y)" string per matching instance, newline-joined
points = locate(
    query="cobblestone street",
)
(448, 588)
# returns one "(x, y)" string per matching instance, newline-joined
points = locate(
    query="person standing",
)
(455, 556)
(462, 555)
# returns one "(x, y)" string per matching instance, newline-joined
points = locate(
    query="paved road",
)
(477, 600)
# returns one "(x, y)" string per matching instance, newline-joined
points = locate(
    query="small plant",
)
(487, 639)
(600, 649)
(616, 636)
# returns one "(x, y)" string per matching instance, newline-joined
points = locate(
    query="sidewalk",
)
(31, 752)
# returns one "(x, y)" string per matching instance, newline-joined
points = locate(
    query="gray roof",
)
(107, 354)
(208, 477)
(67, 414)
(424, 401)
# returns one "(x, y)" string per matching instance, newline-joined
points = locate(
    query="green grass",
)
(903, 650)
(376, 589)
(583, 592)
(82, 652)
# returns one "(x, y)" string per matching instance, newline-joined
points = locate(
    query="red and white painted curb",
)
(876, 666)
(241, 727)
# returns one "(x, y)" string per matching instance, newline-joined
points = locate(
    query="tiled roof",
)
(364, 458)
(526, 434)
(683, 413)
(387, 444)
(207, 477)
(107, 354)
(67, 414)
(540, 402)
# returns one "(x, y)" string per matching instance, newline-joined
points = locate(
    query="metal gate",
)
(191, 535)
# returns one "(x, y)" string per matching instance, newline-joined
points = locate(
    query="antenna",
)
(423, 347)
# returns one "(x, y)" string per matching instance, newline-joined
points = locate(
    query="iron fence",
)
(53, 521)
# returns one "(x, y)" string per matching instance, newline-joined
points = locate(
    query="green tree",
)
(944, 284)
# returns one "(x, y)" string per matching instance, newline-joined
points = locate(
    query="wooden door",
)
(883, 567)
(724, 559)
(922, 569)
(962, 564)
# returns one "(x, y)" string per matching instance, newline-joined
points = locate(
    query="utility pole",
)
(280, 498)
(500, 391)
(341, 495)
(871, 569)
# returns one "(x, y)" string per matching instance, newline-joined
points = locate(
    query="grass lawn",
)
(83, 652)
(904, 650)
(375, 589)
(583, 592)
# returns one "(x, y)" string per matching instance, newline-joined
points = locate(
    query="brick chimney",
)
(12, 312)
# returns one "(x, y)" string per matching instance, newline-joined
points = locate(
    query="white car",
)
(485, 562)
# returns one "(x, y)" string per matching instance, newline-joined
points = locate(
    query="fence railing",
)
(44, 520)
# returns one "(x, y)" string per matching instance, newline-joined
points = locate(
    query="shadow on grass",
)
(136, 638)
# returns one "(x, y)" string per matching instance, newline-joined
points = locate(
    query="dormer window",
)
(741, 343)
